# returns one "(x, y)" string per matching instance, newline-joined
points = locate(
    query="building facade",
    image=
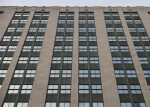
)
(74, 56)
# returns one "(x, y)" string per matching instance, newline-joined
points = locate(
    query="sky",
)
(74, 2)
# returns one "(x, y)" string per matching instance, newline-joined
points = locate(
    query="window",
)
(58, 48)
(67, 60)
(132, 29)
(32, 29)
(139, 48)
(92, 38)
(119, 30)
(129, 21)
(82, 21)
(26, 48)
(30, 38)
(30, 73)
(84, 104)
(97, 104)
(95, 73)
(56, 60)
(146, 73)
(52, 89)
(14, 21)
(137, 22)
(122, 89)
(141, 29)
(10, 29)
(135, 38)
(54, 73)
(121, 38)
(128, 104)
(26, 89)
(60, 29)
(91, 29)
(111, 38)
(144, 38)
(64, 104)
(23, 60)
(84, 89)
(117, 22)
(110, 30)
(83, 60)
(91, 21)
(22, 104)
(82, 29)
(41, 29)
(131, 73)
(39, 38)
(114, 48)
(3, 73)
(116, 60)
(127, 60)
(94, 60)
(13, 89)
(69, 29)
(119, 73)
(3, 48)
(93, 48)
(108, 21)
(7, 60)
(83, 73)
(69, 38)
(12, 48)
(8, 104)
(140, 105)
(147, 48)
(66, 73)
(82, 38)
(44, 21)
(124, 48)
(68, 49)
(6, 38)
(23, 21)
(19, 30)
(143, 60)
(82, 48)
(61, 21)
(34, 60)
(18, 73)
(59, 38)
(96, 89)
(50, 104)
(135, 89)
(37, 48)
(65, 89)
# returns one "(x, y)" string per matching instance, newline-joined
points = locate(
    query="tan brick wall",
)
(75, 66)
(39, 90)
(109, 86)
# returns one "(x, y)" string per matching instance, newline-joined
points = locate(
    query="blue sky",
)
(74, 2)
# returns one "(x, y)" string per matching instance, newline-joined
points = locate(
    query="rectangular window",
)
(122, 89)
(52, 89)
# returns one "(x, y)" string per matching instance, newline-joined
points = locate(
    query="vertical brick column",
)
(15, 58)
(75, 65)
(145, 17)
(5, 19)
(39, 90)
(135, 59)
(109, 86)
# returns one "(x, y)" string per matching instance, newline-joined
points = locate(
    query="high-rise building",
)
(74, 56)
